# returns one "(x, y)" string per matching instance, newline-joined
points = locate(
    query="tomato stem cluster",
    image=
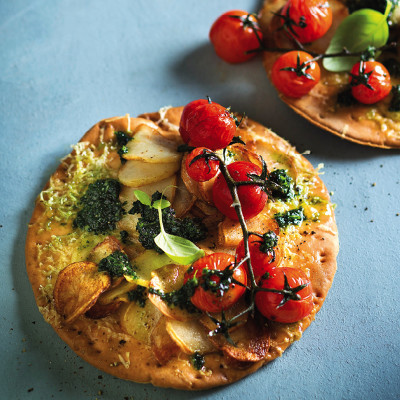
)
(319, 56)
(233, 186)
(288, 24)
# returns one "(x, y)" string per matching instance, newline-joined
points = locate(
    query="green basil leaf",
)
(358, 31)
(162, 203)
(178, 249)
(143, 197)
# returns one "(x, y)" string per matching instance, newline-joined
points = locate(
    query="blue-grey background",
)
(64, 65)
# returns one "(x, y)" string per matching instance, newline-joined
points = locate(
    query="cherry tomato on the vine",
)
(233, 34)
(252, 197)
(370, 82)
(206, 124)
(200, 164)
(295, 304)
(208, 296)
(294, 74)
(307, 20)
(262, 257)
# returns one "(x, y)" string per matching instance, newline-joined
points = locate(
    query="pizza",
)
(138, 263)
(337, 99)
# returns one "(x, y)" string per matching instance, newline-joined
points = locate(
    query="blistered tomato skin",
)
(307, 20)
(252, 198)
(202, 169)
(261, 262)
(370, 82)
(186, 113)
(269, 303)
(294, 74)
(206, 124)
(233, 37)
(208, 301)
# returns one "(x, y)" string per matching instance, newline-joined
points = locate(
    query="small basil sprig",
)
(358, 31)
(178, 249)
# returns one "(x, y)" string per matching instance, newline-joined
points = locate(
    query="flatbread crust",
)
(370, 125)
(104, 344)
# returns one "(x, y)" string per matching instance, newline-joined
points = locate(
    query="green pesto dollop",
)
(197, 360)
(291, 217)
(116, 264)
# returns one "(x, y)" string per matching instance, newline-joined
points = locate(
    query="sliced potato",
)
(166, 186)
(169, 278)
(102, 310)
(128, 223)
(139, 321)
(136, 173)
(163, 347)
(190, 336)
(147, 262)
(251, 342)
(240, 152)
(108, 246)
(77, 289)
(201, 190)
(184, 200)
(239, 307)
(150, 146)
(230, 232)
(117, 293)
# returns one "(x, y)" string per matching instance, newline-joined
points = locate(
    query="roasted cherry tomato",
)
(306, 20)
(294, 74)
(210, 294)
(233, 34)
(370, 82)
(201, 165)
(252, 198)
(294, 304)
(264, 252)
(207, 124)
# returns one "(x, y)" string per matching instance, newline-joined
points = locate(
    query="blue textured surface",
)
(64, 65)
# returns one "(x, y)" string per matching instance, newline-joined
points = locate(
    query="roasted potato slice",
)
(77, 289)
(128, 223)
(169, 278)
(190, 336)
(239, 152)
(251, 342)
(238, 308)
(201, 190)
(117, 293)
(163, 347)
(230, 232)
(184, 200)
(148, 145)
(166, 186)
(139, 321)
(108, 246)
(135, 173)
(102, 310)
